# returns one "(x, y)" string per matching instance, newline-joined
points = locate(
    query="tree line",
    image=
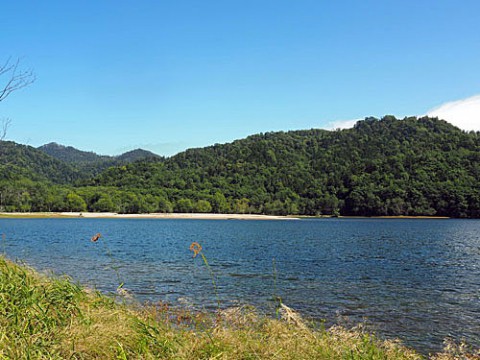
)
(412, 166)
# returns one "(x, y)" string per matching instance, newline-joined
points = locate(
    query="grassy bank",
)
(52, 318)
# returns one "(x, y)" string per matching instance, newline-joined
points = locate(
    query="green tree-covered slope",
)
(22, 161)
(89, 164)
(380, 167)
(71, 155)
(32, 180)
(137, 155)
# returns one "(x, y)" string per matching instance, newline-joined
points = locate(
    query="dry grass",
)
(45, 318)
(454, 351)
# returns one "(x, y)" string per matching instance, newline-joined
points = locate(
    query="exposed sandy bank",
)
(147, 216)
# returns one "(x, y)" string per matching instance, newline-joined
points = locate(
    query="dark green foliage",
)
(89, 164)
(380, 167)
(136, 155)
(22, 161)
(71, 155)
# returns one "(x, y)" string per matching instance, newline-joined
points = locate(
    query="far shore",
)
(375, 217)
(109, 215)
(199, 216)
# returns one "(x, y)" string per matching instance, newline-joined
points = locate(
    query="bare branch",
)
(17, 78)
(5, 124)
(6, 67)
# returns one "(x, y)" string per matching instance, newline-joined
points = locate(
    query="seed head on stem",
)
(96, 237)
(196, 248)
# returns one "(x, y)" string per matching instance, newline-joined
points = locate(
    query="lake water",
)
(418, 280)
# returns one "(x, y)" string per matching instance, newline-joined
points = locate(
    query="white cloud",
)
(341, 124)
(464, 114)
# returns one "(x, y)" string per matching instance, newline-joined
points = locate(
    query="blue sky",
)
(169, 75)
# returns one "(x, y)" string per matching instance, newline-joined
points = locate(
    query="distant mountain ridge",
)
(72, 155)
(137, 155)
(19, 161)
(88, 163)
(59, 164)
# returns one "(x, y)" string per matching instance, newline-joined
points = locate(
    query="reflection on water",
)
(414, 279)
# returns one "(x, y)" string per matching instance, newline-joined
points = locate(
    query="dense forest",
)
(382, 166)
(89, 164)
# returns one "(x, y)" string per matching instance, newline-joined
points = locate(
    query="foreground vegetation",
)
(381, 167)
(52, 318)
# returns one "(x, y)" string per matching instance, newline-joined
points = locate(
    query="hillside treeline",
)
(380, 167)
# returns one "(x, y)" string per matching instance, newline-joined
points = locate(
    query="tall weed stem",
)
(113, 261)
(197, 249)
(276, 297)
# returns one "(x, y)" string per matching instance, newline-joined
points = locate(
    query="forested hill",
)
(71, 155)
(22, 162)
(88, 163)
(137, 155)
(380, 167)
(33, 180)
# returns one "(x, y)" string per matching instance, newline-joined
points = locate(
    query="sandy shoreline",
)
(198, 216)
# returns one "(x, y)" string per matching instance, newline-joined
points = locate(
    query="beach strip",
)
(109, 215)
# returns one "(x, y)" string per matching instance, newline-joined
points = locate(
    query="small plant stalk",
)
(212, 276)
(197, 249)
(4, 244)
(114, 262)
(276, 297)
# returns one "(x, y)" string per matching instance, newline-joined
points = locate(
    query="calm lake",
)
(415, 279)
